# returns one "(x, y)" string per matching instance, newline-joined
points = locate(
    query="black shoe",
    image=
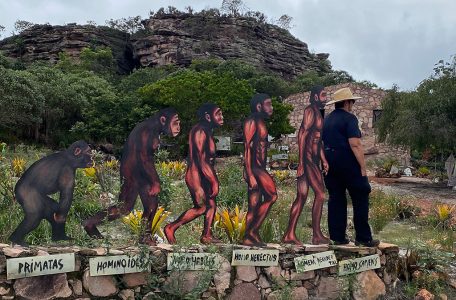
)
(340, 243)
(371, 243)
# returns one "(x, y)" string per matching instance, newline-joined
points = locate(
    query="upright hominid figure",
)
(262, 191)
(138, 174)
(52, 174)
(200, 177)
(311, 156)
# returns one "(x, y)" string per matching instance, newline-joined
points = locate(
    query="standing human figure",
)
(262, 191)
(200, 177)
(347, 171)
(311, 155)
(138, 174)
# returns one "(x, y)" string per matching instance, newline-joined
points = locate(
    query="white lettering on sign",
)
(118, 264)
(361, 264)
(193, 261)
(39, 265)
(315, 261)
(260, 258)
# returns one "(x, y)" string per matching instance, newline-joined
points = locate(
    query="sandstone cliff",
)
(174, 39)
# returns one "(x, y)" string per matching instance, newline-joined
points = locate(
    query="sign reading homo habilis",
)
(118, 264)
(39, 265)
(193, 261)
(259, 258)
(315, 261)
(361, 264)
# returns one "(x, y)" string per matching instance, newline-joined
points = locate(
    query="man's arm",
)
(208, 172)
(249, 132)
(307, 122)
(357, 148)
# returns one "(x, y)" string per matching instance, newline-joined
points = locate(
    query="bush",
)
(233, 189)
(423, 172)
(382, 209)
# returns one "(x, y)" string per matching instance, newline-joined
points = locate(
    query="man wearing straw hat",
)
(347, 171)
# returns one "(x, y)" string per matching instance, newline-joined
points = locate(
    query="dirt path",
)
(417, 188)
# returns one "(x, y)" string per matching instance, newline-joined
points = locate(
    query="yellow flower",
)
(112, 164)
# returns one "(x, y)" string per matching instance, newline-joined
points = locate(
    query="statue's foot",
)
(93, 232)
(291, 240)
(62, 238)
(249, 240)
(209, 240)
(320, 240)
(169, 234)
(21, 243)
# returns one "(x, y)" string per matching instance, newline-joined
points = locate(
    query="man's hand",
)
(253, 184)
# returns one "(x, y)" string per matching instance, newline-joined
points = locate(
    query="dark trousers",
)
(344, 174)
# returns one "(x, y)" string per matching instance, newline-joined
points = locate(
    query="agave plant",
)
(18, 166)
(232, 223)
(134, 221)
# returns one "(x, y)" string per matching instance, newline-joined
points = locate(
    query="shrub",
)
(233, 189)
(423, 172)
(382, 209)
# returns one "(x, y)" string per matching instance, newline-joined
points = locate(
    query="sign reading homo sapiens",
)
(39, 265)
(315, 261)
(361, 264)
(193, 261)
(259, 258)
(118, 264)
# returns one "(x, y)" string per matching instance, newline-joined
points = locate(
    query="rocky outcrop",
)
(175, 39)
(45, 42)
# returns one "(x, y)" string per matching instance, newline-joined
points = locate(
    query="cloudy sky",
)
(383, 41)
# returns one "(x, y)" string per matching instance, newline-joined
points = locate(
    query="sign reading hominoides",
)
(315, 261)
(39, 265)
(193, 261)
(361, 264)
(259, 258)
(118, 264)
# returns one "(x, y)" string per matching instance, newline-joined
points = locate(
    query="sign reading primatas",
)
(39, 265)
(315, 261)
(259, 258)
(118, 264)
(357, 265)
(193, 261)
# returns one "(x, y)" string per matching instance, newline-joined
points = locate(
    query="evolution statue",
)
(309, 174)
(200, 177)
(262, 191)
(138, 174)
(52, 174)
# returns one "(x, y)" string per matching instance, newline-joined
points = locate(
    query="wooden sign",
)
(118, 264)
(315, 261)
(193, 261)
(259, 258)
(280, 156)
(361, 264)
(39, 265)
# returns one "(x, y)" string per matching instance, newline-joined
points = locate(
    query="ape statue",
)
(200, 176)
(137, 172)
(311, 154)
(262, 191)
(47, 176)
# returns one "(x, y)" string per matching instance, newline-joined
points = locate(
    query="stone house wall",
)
(228, 282)
(363, 109)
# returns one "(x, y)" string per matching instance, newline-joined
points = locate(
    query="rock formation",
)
(174, 39)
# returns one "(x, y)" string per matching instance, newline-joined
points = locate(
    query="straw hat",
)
(342, 95)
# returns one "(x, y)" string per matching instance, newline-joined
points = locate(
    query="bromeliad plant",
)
(135, 223)
(18, 166)
(444, 214)
(232, 223)
(172, 169)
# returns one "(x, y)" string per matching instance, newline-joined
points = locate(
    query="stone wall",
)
(363, 109)
(228, 282)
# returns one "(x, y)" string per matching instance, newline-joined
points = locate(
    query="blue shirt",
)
(338, 127)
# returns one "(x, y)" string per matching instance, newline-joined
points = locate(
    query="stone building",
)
(367, 109)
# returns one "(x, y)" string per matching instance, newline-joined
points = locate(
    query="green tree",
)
(424, 118)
